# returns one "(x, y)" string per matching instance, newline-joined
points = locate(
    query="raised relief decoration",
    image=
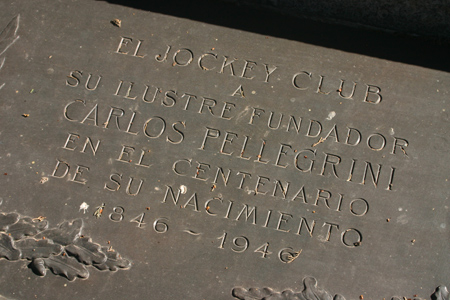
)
(7, 38)
(312, 292)
(63, 249)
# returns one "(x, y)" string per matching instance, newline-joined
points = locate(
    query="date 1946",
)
(241, 244)
(238, 244)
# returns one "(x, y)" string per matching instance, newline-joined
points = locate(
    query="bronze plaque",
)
(145, 156)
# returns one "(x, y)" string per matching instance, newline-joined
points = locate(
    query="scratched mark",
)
(8, 36)
(192, 232)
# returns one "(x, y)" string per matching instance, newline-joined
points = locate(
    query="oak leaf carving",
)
(310, 292)
(65, 234)
(7, 248)
(31, 248)
(26, 227)
(86, 252)
(8, 219)
(60, 265)
(441, 293)
(59, 249)
(114, 261)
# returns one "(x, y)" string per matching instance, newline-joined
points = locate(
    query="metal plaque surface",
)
(145, 156)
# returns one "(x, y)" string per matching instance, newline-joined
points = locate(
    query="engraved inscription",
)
(229, 156)
(239, 145)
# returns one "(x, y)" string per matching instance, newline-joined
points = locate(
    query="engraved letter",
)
(391, 179)
(229, 137)
(341, 88)
(67, 168)
(210, 133)
(329, 229)
(130, 87)
(135, 54)
(72, 75)
(301, 155)
(227, 106)
(96, 85)
(174, 198)
(143, 152)
(144, 97)
(269, 123)
(169, 99)
(293, 121)
(188, 99)
(261, 151)
(294, 80)
(404, 143)
(128, 189)
(227, 63)
(324, 198)
(94, 118)
(310, 229)
(200, 61)
(249, 65)
(91, 144)
(374, 177)
(269, 71)
(319, 128)
(279, 185)
(256, 113)
(261, 183)
(123, 43)
(382, 144)
(116, 181)
(244, 175)
(158, 134)
(192, 202)
(332, 163)
(282, 219)
(67, 106)
(319, 88)
(177, 131)
(183, 62)
(225, 179)
(333, 133)
(79, 172)
(364, 204)
(126, 150)
(160, 58)
(374, 90)
(175, 164)
(239, 92)
(71, 139)
(349, 134)
(114, 112)
(358, 238)
(201, 170)
(282, 151)
(209, 103)
(301, 192)
(248, 213)
(208, 208)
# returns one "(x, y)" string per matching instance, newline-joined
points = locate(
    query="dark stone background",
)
(426, 18)
(412, 32)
